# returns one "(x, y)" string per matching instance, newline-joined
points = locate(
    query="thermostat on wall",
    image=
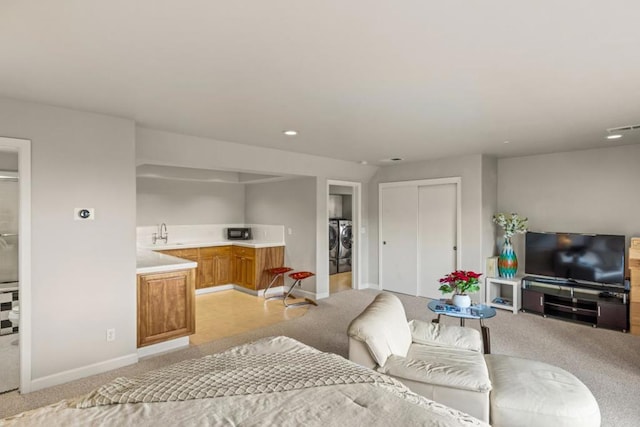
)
(83, 213)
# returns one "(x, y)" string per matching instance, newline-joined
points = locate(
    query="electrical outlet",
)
(111, 334)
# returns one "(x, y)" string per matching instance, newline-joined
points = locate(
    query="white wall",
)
(189, 202)
(469, 168)
(8, 161)
(489, 206)
(291, 203)
(171, 149)
(83, 275)
(589, 191)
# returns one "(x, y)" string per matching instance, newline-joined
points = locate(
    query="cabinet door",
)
(165, 306)
(222, 267)
(532, 301)
(612, 315)
(206, 270)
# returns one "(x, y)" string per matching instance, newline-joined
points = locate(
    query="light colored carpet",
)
(608, 362)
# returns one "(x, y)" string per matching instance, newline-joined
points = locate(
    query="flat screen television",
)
(593, 258)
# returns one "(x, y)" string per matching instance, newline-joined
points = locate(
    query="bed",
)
(276, 381)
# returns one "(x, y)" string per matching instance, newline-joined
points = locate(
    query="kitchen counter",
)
(148, 261)
(205, 244)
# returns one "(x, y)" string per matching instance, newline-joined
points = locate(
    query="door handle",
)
(384, 242)
(455, 248)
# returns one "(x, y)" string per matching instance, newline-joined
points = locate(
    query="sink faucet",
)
(163, 234)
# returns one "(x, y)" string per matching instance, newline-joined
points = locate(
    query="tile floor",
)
(9, 363)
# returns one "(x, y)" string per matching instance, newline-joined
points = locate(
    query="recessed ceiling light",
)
(614, 136)
(290, 132)
(506, 142)
(363, 162)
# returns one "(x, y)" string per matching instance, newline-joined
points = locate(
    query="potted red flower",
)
(460, 282)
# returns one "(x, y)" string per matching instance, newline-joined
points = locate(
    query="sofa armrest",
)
(435, 334)
(460, 369)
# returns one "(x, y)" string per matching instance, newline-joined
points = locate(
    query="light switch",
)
(80, 214)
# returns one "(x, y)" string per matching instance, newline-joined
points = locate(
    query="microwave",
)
(239, 233)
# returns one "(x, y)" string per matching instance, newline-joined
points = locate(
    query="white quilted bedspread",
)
(273, 382)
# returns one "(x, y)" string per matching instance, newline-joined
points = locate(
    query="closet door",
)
(398, 239)
(437, 225)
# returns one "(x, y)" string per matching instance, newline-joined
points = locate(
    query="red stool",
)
(276, 272)
(298, 277)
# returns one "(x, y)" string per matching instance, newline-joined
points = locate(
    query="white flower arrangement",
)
(511, 223)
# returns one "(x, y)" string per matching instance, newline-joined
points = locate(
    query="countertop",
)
(149, 261)
(205, 244)
(153, 262)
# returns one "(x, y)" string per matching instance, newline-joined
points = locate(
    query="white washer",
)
(346, 241)
(334, 244)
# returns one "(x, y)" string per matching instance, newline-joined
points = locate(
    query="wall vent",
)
(624, 128)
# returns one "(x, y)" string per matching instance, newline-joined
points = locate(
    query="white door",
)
(398, 239)
(437, 225)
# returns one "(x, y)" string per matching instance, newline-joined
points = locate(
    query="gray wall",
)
(469, 168)
(590, 191)
(84, 275)
(189, 202)
(291, 203)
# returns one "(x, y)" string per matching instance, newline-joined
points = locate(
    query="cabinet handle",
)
(598, 311)
(541, 300)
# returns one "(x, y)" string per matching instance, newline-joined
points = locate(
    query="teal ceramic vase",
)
(507, 261)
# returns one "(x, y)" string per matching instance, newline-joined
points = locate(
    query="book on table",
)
(445, 307)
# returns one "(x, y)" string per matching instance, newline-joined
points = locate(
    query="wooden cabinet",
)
(244, 267)
(250, 265)
(634, 297)
(166, 306)
(215, 266)
(266, 258)
(239, 265)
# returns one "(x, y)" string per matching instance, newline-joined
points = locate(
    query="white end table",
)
(493, 288)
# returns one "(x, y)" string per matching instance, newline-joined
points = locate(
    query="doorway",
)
(343, 218)
(15, 277)
(419, 234)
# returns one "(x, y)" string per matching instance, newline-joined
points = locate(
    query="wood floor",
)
(339, 282)
(227, 313)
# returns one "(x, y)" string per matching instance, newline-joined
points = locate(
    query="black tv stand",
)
(576, 302)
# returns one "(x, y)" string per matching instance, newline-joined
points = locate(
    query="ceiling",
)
(359, 80)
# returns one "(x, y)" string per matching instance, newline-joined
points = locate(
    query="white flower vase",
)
(462, 301)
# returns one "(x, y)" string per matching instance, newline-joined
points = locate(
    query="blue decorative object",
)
(507, 261)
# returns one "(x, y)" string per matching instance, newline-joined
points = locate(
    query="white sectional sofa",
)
(446, 364)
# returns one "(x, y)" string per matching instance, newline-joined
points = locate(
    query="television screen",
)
(597, 258)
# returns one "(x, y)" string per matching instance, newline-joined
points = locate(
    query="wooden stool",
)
(276, 272)
(298, 277)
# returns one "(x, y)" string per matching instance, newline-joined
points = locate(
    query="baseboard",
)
(306, 294)
(322, 295)
(163, 347)
(375, 286)
(82, 372)
(214, 289)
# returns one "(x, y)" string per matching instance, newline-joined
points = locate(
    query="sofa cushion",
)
(383, 327)
(445, 336)
(531, 393)
(450, 367)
